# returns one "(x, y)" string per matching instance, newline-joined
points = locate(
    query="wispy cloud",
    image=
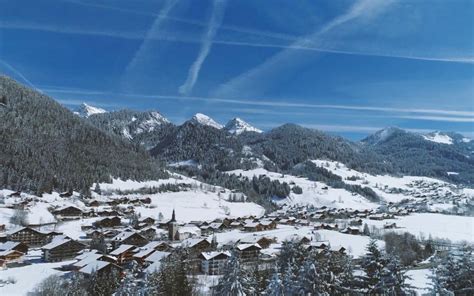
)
(176, 37)
(20, 75)
(400, 112)
(439, 118)
(145, 47)
(278, 62)
(218, 10)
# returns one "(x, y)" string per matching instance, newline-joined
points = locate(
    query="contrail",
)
(268, 102)
(150, 35)
(19, 74)
(136, 35)
(361, 9)
(214, 23)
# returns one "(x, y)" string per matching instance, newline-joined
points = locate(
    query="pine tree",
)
(392, 279)
(129, 285)
(372, 265)
(309, 281)
(234, 282)
(275, 286)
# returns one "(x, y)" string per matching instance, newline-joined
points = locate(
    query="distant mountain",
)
(434, 154)
(44, 146)
(144, 128)
(203, 119)
(85, 110)
(383, 135)
(290, 144)
(201, 143)
(237, 126)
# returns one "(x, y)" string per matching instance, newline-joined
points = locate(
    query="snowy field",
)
(28, 277)
(419, 279)
(454, 228)
(313, 192)
(377, 182)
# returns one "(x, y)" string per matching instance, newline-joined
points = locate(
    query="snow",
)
(200, 118)
(28, 277)
(237, 126)
(354, 244)
(86, 110)
(419, 279)
(313, 192)
(466, 140)
(184, 163)
(149, 125)
(378, 182)
(438, 137)
(452, 173)
(454, 228)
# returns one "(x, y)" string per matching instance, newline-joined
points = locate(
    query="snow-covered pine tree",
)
(372, 265)
(392, 279)
(275, 286)
(288, 280)
(309, 281)
(234, 281)
(454, 273)
(129, 284)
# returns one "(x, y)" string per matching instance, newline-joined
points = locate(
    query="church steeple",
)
(173, 228)
(173, 217)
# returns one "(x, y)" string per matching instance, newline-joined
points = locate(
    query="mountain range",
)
(47, 146)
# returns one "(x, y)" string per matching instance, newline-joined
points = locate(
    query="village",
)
(115, 230)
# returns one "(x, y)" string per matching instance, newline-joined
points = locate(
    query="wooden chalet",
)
(60, 249)
(261, 240)
(197, 245)
(213, 263)
(17, 246)
(10, 256)
(124, 253)
(29, 236)
(108, 222)
(129, 237)
(69, 211)
(248, 252)
(100, 268)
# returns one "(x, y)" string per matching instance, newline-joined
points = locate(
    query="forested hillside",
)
(413, 154)
(44, 146)
(144, 128)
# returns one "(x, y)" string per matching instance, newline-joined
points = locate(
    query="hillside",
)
(143, 128)
(45, 146)
(421, 155)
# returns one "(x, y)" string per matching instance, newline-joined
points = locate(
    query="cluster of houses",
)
(125, 243)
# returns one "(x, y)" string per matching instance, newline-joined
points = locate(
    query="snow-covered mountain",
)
(144, 128)
(439, 137)
(203, 119)
(383, 135)
(86, 110)
(237, 126)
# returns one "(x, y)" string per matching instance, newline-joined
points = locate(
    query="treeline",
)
(315, 173)
(261, 190)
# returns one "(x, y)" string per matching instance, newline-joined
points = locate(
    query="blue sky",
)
(346, 67)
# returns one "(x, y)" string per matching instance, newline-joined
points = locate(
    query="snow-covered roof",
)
(210, 255)
(157, 256)
(241, 247)
(191, 242)
(144, 253)
(94, 266)
(122, 249)
(57, 241)
(8, 245)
